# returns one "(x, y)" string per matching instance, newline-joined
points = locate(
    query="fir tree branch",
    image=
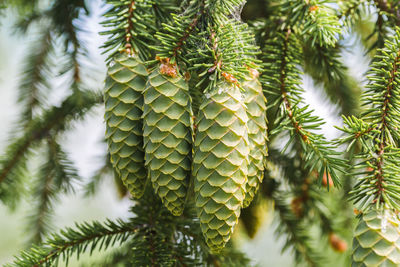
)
(289, 110)
(208, 40)
(317, 21)
(166, 240)
(39, 224)
(156, 238)
(227, 51)
(356, 130)
(387, 17)
(384, 127)
(153, 240)
(126, 31)
(68, 242)
(132, 25)
(192, 25)
(174, 37)
(378, 169)
(222, 8)
(282, 88)
(36, 75)
(55, 119)
(57, 175)
(387, 117)
(64, 12)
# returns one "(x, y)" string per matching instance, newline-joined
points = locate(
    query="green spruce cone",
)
(123, 111)
(376, 240)
(257, 133)
(220, 163)
(167, 132)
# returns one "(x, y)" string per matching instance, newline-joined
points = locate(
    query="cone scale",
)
(376, 240)
(220, 163)
(168, 137)
(123, 110)
(257, 134)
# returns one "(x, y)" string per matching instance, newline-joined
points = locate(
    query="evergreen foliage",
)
(314, 19)
(281, 81)
(194, 93)
(53, 121)
(377, 130)
(56, 175)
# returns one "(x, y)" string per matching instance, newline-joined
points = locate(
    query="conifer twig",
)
(377, 130)
(70, 241)
(282, 88)
(55, 119)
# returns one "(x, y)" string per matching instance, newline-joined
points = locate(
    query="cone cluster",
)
(151, 139)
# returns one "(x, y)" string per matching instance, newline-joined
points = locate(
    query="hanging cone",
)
(257, 133)
(168, 136)
(220, 163)
(376, 239)
(123, 110)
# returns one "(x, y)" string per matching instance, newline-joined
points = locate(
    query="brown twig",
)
(384, 124)
(128, 36)
(286, 101)
(188, 31)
